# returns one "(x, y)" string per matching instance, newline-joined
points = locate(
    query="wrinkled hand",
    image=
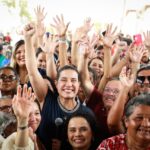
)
(22, 102)
(60, 26)
(40, 15)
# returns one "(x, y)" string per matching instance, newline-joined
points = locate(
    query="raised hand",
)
(40, 29)
(136, 54)
(40, 15)
(49, 45)
(87, 25)
(29, 30)
(22, 102)
(109, 36)
(147, 39)
(79, 35)
(60, 26)
(127, 79)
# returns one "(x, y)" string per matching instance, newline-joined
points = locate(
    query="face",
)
(143, 81)
(20, 55)
(145, 56)
(97, 65)
(68, 84)
(138, 124)
(41, 60)
(8, 80)
(100, 53)
(34, 117)
(79, 133)
(111, 92)
(81, 94)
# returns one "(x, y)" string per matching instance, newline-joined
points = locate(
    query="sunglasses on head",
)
(141, 79)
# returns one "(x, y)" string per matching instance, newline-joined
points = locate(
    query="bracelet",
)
(23, 127)
(62, 40)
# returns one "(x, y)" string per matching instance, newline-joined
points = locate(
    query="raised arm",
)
(147, 40)
(40, 29)
(107, 41)
(115, 115)
(49, 47)
(79, 34)
(61, 29)
(83, 67)
(116, 69)
(22, 105)
(38, 83)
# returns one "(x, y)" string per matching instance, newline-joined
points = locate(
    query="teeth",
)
(147, 132)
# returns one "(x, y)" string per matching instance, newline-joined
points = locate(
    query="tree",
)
(19, 6)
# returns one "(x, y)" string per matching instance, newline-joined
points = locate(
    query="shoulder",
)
(9, 143)
(114, 142)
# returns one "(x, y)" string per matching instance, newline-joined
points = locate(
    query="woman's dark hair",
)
(14, 63)
(67, 67)
(91, 121)
(38, 104)
(94, 75)
(144, 67)
(10, 68)
(38, 51)
(93, 59)
(18, 44)
(143, 99)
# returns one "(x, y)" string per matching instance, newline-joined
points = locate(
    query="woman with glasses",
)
(137, 123)
(8, 85)
(143, 80)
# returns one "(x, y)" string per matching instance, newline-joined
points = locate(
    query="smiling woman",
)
(81, 132)
(18, 61)
(137, 121)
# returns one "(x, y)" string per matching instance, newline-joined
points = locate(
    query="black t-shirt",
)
(52, 109)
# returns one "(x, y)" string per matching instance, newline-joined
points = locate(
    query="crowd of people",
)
(75, 91)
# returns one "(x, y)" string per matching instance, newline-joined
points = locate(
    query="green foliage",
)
(9, 3)
(23, 7)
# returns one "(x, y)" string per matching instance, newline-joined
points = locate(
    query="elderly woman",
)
(137, 122)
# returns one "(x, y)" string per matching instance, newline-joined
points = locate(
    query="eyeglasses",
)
(114, 91)
(141, 79)
(6, 78)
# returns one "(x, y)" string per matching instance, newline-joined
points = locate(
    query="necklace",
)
(66, 110)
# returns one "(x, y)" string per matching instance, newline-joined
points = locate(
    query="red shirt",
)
(96, 104)
(117, 142)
